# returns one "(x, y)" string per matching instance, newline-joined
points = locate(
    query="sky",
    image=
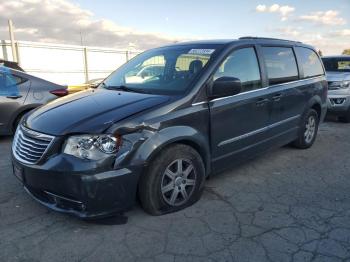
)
(141, 24)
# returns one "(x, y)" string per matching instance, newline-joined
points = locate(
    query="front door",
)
(13, 91)
(239, 123)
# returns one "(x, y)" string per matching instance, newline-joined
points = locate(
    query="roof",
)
(245, 38)
(206, 42)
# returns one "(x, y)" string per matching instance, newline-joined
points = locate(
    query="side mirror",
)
(225, 86)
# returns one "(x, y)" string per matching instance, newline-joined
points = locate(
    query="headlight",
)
(92, 147)
(345, 84)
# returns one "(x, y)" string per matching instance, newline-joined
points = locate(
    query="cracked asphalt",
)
(286, 205)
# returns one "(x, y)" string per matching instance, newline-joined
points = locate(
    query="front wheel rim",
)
(310, 129)
(178, 182)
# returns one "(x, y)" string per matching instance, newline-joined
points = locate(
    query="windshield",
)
(169, 70)
(337, 64)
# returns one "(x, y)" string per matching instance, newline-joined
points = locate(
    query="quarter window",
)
(14, 80)
(9, 83)
(242, 64)
(309, 61)
(281, 64)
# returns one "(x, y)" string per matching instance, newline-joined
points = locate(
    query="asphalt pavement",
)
(286, 205)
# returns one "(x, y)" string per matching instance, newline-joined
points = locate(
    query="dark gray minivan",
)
(210, 105)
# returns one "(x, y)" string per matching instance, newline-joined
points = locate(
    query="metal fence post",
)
(18, 54)
(86, 68)
(12, 38)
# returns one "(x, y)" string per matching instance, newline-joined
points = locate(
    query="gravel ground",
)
(286, 205)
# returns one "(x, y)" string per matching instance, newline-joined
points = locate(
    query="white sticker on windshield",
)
(201, 51)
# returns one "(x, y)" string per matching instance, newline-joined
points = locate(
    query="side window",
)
(9, 83)
(242, 64)
(309, 62)
(280, 64)
(14, 80)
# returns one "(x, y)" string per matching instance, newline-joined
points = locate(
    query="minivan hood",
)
(337, 76)
(90, 111)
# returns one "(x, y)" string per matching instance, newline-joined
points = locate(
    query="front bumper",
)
(338, 101)
(70, 185)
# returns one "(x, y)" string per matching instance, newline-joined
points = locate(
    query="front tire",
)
(174, 180)
(308, 130)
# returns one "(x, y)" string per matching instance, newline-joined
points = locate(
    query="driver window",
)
(242, 64)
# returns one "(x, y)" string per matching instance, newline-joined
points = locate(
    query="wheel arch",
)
(316, 104)
(175, 135)
(317, 108)
(20, 113)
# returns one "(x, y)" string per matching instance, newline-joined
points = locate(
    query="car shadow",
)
(116, 219)
(331, 118)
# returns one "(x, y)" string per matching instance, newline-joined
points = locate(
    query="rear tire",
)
(174, 180)
(308, 130)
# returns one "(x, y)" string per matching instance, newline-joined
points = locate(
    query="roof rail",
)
(266, 38)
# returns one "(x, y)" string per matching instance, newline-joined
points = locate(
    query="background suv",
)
(213, 104)
(338, 76)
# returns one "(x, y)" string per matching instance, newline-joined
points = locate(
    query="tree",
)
(346, 52)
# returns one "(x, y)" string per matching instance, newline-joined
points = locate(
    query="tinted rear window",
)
(309, 62)
(281, 64)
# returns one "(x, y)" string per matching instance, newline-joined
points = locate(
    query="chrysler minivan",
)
(209, 105)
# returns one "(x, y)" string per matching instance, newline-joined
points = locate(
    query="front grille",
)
(30, 146)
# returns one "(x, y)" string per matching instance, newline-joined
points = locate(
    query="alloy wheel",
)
(310, 129)
(178, 182)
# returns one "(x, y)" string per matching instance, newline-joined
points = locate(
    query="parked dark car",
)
(20, 93)
(215, 103)
(338, 77)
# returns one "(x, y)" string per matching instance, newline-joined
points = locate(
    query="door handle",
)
(262, 101)
(277, 97)
(14, 97)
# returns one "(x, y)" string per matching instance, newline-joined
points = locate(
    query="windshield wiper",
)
(123, 88)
